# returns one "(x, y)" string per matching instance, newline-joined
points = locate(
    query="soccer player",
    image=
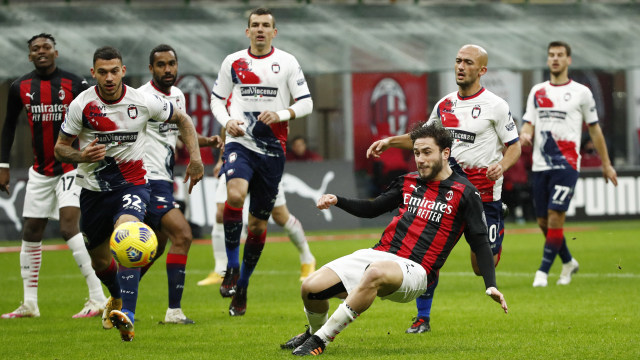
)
(435, 205)
(163, 214)
(482, 128)
(110, 121)
(553, 121)
(261, 80)
(280, 215)
(52, 193)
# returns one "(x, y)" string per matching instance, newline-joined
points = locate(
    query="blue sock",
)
(423, 302)
(176, 265)
(552, 245)
(129, 279)
(564, 253)
(252, 251)
(232, 220)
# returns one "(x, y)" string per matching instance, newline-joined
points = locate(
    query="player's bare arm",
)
(208, 141)
(5, 177)
(510, 157)
(608, 172)
(399, 141)
(526, 134)
(195, 169)
(65, 152)
(326, 201)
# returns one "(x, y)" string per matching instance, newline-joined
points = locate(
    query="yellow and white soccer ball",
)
(133, 244)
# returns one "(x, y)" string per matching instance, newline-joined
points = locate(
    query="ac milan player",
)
(110, 121)
(163, 213)
(482, 128)
(51, 192)
(555, 112)
(261, 81)
(436, 206)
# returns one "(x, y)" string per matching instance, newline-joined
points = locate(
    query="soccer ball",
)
(133, 244)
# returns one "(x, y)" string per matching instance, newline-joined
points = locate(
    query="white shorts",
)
(350, 269)
(221, 192)
(45, 195)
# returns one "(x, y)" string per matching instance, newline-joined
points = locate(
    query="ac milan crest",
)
(133, 111)
(449, 195)
(61, 94)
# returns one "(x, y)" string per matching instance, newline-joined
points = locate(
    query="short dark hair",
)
(434, 130)
(560, 43)
(161, 48)
(261, 11)
(106, 53)
(42, 35)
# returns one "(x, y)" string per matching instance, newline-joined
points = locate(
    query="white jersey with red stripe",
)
(556, 113)
(159, 157)
(121, 126)
(256, 84)
(481, 127)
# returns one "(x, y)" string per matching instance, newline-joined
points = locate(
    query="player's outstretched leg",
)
(232, 231)
(30, 259)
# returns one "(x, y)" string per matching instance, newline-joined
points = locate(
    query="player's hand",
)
(326, 201)
(5, 178)
(377, 148)
(269, 117)
(234, 129)
(494, 171)
(214, 141)
(195, 172)
(498, 297)
(217, 167)
(609, 173)
(526, 139)
(94, 153)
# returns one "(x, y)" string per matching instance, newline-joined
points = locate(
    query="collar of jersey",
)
(124, 91)
(567, 83)
(261, 56)
(158, 89)
(471, 96)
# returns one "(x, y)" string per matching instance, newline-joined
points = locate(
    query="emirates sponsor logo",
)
(427, 209)
(47, 112)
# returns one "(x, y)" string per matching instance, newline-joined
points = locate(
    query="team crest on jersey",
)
(275, 67)
(61, 94)
(567, 96)
(449, 195)
(232, 157)
(133, 111)
(476, 111)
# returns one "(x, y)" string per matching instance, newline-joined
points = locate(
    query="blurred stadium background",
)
(374, 68)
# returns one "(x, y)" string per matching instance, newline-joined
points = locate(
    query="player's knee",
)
(373, 275)
(67, 232)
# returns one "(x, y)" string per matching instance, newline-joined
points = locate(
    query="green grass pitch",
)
(596, 317)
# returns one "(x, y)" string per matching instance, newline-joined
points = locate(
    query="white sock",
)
(219, 250)
(316, 320)
(339, 320)
(294, 229)
(82, 258)
(30, 260)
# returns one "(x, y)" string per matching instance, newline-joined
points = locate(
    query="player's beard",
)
(435, 167)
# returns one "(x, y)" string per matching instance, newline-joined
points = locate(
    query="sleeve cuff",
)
(4, 165)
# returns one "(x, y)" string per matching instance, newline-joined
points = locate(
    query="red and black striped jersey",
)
(432, 216)
(46, 100)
